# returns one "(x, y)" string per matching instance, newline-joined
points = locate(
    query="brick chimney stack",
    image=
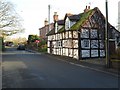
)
(46, 22)
(69, 14)
(87, 9)
(55, 17)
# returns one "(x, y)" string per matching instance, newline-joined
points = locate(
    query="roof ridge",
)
(83, 18)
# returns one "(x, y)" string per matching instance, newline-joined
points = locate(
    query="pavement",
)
(94, 64)
(98, 64)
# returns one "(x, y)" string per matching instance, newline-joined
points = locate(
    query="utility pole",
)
(107, 37)
(48, 18)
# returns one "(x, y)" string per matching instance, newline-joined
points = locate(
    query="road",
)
(22, 69)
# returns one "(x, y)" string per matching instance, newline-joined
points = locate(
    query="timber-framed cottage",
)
(80, 36)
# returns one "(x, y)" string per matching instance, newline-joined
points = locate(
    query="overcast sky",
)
(34, 12)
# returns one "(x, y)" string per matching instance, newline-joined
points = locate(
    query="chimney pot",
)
(55, 17)
(55, 13)
(88, 7)
(46, 22)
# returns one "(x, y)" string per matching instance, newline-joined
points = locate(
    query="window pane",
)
(85, 53)
(85, 33)
(85, 43)
(94, 53)
(102, 53)
(101, 44)
(94, 43)
(94, 34)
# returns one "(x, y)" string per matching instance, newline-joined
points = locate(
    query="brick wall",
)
(44, 30)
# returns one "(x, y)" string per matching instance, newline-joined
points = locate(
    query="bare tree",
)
(10, 21)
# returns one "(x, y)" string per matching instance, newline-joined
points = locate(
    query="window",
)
(94, 53)
(56, 27)
(102, 53)
(85, 43)
(85, 33)
(67, 24)
(101, 44)
(94, 33)
(94, 43)
(85, 53)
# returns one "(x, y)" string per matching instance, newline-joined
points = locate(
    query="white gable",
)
(67, 23)
(56, 27)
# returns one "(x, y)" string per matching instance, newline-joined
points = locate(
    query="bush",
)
(43, 48)
(32, 38)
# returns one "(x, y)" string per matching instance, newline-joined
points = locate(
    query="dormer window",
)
(56, 27)
(67, 24)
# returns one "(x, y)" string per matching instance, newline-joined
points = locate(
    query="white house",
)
(80, 36)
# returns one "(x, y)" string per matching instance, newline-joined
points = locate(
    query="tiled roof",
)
(61, 30)
(80, 18)
(51, 32)
(74, 17)
(51, 24)
(83, 17)
(60, 22)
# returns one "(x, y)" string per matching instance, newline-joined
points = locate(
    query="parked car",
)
(21, 47)
(9, 43)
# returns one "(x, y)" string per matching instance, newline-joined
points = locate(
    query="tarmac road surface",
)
(22, 69)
